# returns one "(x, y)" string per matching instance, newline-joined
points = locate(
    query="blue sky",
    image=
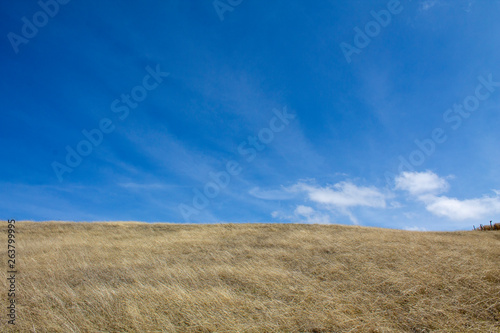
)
(377, 113)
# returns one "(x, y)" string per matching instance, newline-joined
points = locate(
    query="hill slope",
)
(115, 277)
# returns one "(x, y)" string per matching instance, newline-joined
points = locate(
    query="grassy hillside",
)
(134, 277)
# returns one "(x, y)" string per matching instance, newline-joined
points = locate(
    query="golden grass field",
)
(137, 277)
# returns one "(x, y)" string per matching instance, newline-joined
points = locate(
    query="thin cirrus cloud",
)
(426, 187)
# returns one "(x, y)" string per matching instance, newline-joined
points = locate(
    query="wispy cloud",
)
(144, 186)
(270, 194)
(329, 201)
(428, 4)
(305, 214)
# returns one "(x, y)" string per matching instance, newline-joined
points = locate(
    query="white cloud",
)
(332, 200)
(304, 210)
(455, 209)
(415, 228)
(333, 203)
(311, 215)
(418, 183)
(343, 195)
(305, 214)
(425, 187)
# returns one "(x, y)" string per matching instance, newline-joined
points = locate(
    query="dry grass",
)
(133, 277)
